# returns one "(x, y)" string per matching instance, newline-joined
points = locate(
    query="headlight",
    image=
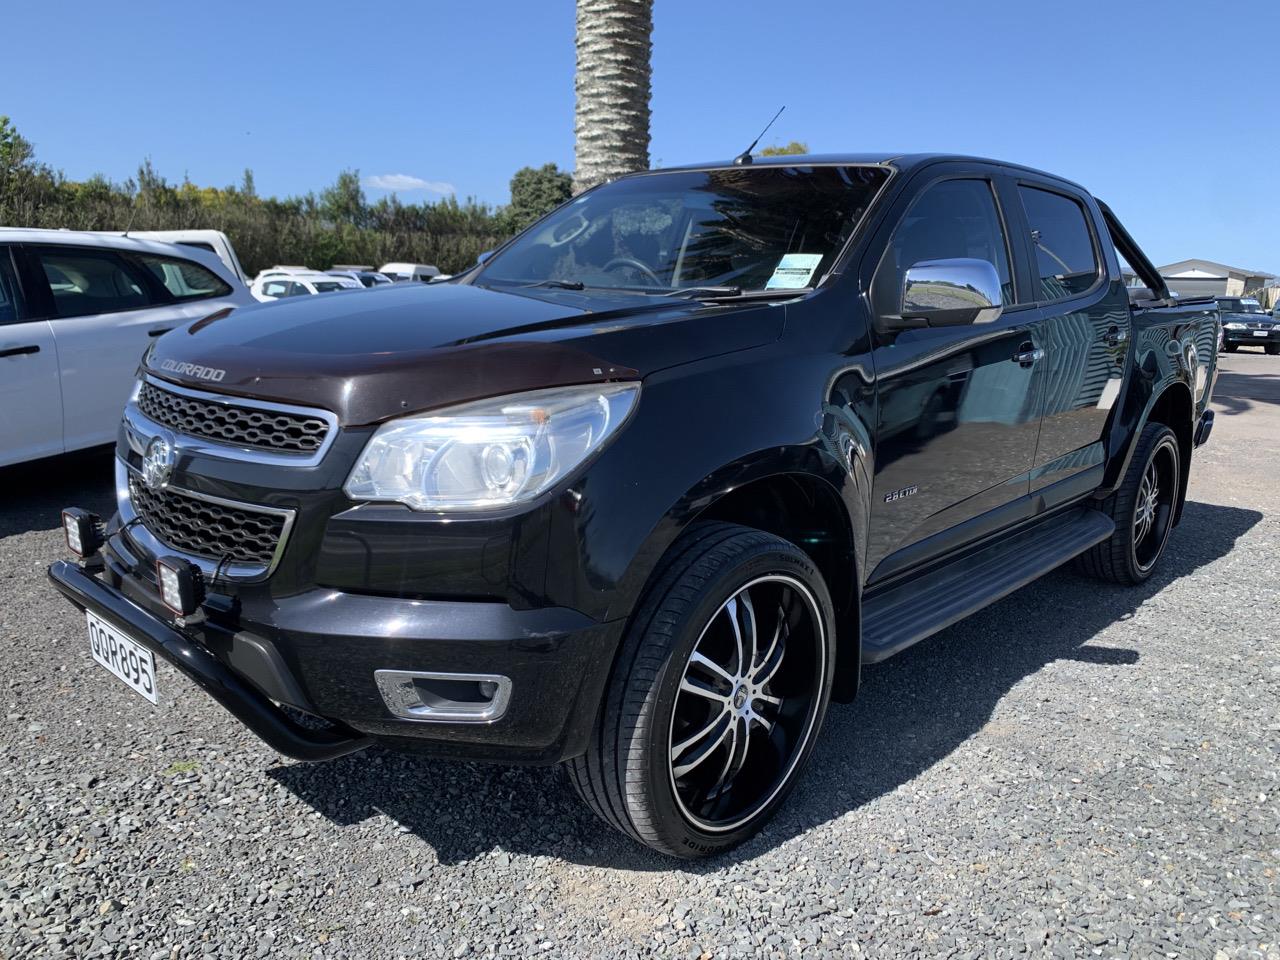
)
(491, 453)
(1234, 326)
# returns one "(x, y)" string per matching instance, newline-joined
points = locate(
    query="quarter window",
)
(87, 282)
(952, 219)
(276, 288)
(184, 279)
(1065, 256)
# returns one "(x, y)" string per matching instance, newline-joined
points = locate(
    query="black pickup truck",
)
(641, 492)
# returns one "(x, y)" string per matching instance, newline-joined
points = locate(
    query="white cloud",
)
(403, 183)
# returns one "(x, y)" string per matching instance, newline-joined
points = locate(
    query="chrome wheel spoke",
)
(699, 689)
(713, 668)
(690, 752)
(739, 743)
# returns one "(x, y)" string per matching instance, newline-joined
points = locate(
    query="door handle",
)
(1115, 336)
(158, 331)
(1027, 354)
(19, 351)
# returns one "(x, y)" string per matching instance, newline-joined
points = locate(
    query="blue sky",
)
(1169, 111)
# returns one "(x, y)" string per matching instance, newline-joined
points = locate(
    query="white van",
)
(423, 272)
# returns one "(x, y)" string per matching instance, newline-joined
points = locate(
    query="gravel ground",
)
(1079, 770)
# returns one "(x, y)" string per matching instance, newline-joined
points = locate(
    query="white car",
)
(278, 283)
(366, 278)
(77, 311)
(214, 241)
(422, 272)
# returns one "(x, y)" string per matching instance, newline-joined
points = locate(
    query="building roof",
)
(1209, 270)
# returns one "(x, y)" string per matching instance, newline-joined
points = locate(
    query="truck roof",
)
(902, 162)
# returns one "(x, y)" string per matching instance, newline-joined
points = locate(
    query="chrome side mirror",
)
(946, 293)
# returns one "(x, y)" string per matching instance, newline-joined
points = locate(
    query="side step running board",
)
(897, 617)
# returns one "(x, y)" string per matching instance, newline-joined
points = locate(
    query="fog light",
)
(181, 585)
(83, 530)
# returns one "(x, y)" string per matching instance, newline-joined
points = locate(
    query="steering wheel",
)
(569, 230)
(635, 265)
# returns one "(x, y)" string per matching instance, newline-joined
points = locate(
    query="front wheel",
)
(1231, 347)
(717, 695)
(1143, 508)
(1273, 349)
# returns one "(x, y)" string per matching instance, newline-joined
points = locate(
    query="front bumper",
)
(1246, 338)
(318, 651)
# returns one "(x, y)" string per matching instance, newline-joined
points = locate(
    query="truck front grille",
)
(212, 530)
(232, 423)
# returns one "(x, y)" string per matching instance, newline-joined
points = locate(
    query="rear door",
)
(30, 399)
(1084, 330)
(959, 412)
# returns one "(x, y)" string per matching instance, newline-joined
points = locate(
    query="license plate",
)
(1261, 333)
(123, 656)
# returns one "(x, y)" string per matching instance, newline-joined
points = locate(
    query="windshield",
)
(749, 227)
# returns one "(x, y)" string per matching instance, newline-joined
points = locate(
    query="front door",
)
(959, 407)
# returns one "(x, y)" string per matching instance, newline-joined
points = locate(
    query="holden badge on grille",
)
(157, 462)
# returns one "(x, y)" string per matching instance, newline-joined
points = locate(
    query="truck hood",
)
(368, 355)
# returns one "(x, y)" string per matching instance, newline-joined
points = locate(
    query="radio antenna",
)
(745, 156)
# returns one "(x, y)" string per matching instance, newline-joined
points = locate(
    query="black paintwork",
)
(803, 416)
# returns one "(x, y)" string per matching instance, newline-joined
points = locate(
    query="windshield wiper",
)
(730, 292)
(559, 284)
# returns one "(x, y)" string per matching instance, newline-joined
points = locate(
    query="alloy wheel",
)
(747, 702)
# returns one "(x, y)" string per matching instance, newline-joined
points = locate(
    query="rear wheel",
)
(717, 696)
(1143, 509)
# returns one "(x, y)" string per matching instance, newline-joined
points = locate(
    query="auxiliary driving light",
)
(181, 585)
(83, 530)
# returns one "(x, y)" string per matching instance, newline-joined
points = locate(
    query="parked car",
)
(272, 285)
(76, 312)
(214, 241)
(1246, 323)
(638, 493)
(423, 272)
(366, 278)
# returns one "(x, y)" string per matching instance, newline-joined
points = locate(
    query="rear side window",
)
(86, 282)
(951, 219)
(1065, 256)
(8, 289)
(184, 279)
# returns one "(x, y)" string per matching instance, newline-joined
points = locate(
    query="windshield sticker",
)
(793, 271)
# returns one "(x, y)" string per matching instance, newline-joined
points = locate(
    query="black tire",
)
(628, 775)
(1129, 556)
(1231, 347)
(1273, 349)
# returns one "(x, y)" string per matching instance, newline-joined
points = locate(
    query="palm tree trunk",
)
(612, 86)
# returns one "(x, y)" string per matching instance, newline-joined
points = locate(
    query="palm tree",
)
(612, 86)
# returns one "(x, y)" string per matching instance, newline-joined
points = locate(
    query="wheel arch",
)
(1175, 408)
(799, 506)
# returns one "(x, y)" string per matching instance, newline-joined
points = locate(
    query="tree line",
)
(337, 225)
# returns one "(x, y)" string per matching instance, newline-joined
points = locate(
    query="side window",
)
(298, 290)
(85, 282)
(1066, 261)
(276, 288)
(954, 218)
(8, 289)
(184, 279)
